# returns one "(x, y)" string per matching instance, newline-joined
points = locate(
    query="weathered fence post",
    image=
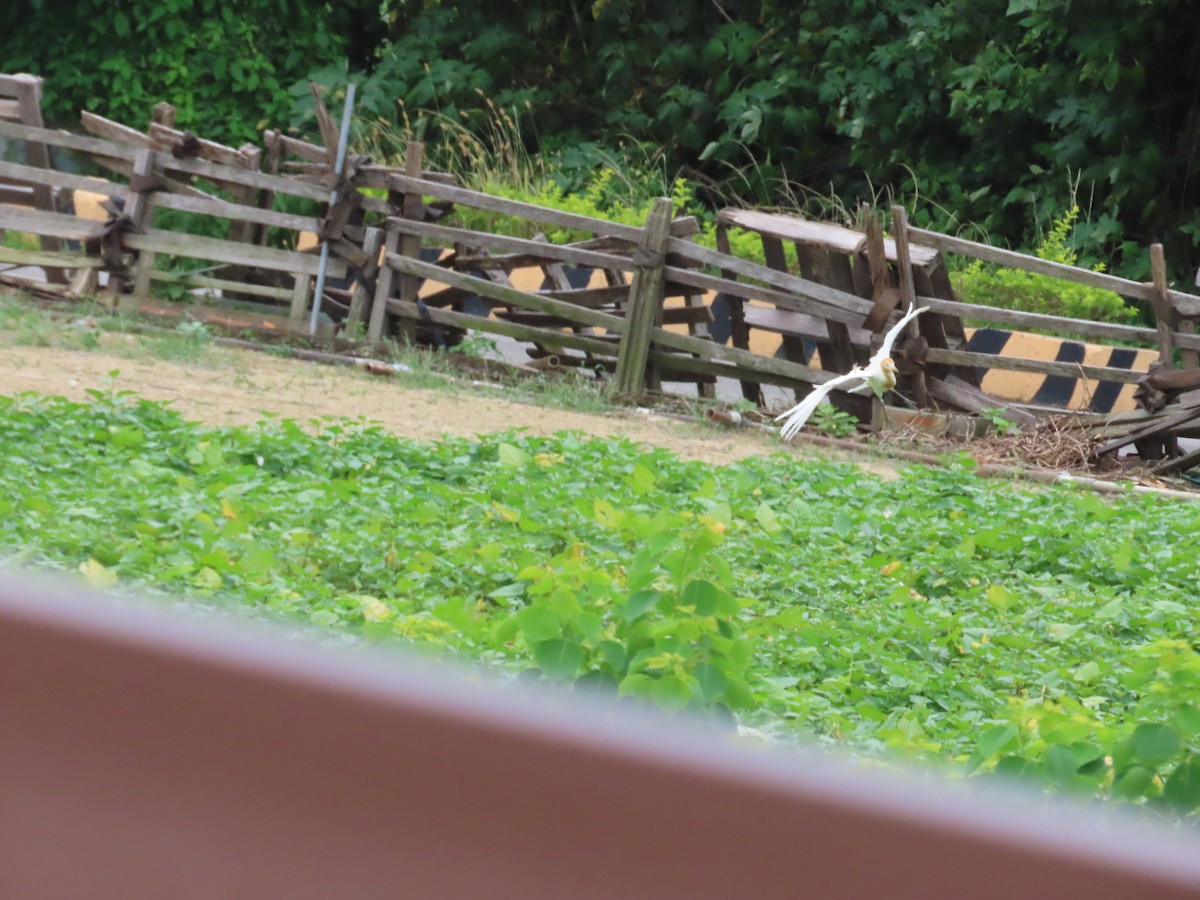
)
(1164, 314)
(908, 287)
(645, 300)
(412, 207)
(365, 281)
(28, 89)
(139, 206)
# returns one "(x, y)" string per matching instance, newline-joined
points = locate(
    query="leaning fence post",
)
(139, 207)
(908, 288)
(1164, 316)
(412, 207)
(645, 300)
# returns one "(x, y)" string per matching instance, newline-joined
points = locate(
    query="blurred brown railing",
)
(145, 753)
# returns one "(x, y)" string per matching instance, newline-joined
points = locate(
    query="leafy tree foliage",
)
(225, 66)
(1002, 113)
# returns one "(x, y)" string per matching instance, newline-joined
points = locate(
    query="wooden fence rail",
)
(850, 285)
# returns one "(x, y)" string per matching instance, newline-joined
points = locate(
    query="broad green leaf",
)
(1000, 597)
(638, 603)
(1182, 788)
(642, 480)
(558, 658)
(712, 681)
(635, 685)
(670, 692)
(1086, 673)
(767, 518)
(1155, 744)
(1134, 783)
(513, 457)
(539, 624)
(323, 618)
(995, 739)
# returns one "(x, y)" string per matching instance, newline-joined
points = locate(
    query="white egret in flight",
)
(879, 375)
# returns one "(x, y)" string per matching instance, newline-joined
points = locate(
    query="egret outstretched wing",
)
(799, 414)
(885, 349)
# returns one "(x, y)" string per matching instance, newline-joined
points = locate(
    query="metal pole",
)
(339, 163)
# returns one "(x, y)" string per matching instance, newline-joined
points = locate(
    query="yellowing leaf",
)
(513, 457)
(506, 514)
(374, 609)
(98, 576)
(891, 567)
(227, 509)
(548, 459)
(1000, 597)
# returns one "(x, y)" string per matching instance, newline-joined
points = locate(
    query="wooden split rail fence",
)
(400, 267)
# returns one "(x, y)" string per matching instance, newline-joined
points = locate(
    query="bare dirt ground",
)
(227, 387)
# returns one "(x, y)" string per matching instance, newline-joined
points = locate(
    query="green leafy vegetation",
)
(1044, 634)
(226, 67)
(990, 285)
(983, 116)
(979, 114)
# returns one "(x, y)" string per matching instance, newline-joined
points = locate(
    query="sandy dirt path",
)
(226, 387)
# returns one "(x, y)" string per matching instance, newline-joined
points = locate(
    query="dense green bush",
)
(1029, 291)
(989, 107)
(226, 67)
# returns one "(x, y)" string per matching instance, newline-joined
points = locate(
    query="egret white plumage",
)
(879, 374)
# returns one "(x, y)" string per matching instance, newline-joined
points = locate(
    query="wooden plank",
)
(540, 214)
(412, 207)
(296, 147)
(114, 131)
(904, 262)
(645, 300)
(1159, 427)
(782, 321)
(197, 247)
(49, 260)
(1164, 315)
(840, 240)
(10, 109)
(37, 154)
(215, 172)
(484, 240)
(668, 339)
(65, 140)
(1187, 305)
(746, 291)
(32, 175)
(1044, 366)
(364, 282)
(677, 315)
(548, 337)
(1178, 463)
(51, 224)
(966, 396)
(298, 308)
(222, 284)
(220, 174)
(383, 286)
(240, 212)
(139, 209)
(1133, 334)
(329, 131)
(166, 138)
(842, 307)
